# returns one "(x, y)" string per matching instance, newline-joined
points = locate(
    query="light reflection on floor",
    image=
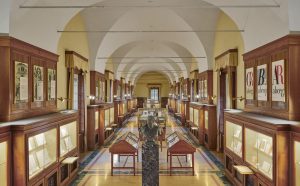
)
(97, 172)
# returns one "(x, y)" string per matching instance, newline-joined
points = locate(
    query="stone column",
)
(150, 164)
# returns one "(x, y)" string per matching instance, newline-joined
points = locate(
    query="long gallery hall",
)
(149, 92)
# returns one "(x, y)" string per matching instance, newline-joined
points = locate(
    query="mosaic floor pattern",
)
(95, 169)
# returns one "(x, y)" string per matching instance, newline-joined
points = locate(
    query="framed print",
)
(51, 84)
(38, 83)
(21, 82)
(262, 83)
(278, 81)
(249, 83)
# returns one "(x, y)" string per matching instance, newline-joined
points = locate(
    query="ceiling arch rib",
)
(146, 19)
(134, 77)
(173, 74)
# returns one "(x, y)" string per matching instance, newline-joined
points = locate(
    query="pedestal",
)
(150, 163)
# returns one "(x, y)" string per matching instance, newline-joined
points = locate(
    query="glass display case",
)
(178, 107)
(125, 107)
(191, 114)
(206, 119)
(234, 136)
(68, 138)
(42, 151)
(96, 120)
(112, 115)
(297, 162)
(259, 151)
(196, 117)
(106, 118)
(3, 163)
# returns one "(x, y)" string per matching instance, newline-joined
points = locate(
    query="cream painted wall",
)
(75, 42)
(141, 88)
(224, 42)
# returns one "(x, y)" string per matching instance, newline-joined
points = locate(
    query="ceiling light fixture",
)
(150, 6)
(147, 31)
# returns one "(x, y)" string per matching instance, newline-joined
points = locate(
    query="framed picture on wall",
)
(278, 81)
(38, 83)
(21, 82)
(51, 84)
(262, 83)
(249, 83)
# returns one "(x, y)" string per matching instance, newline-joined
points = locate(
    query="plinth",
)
(150, 164)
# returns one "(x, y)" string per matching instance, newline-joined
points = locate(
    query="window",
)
(154, 94)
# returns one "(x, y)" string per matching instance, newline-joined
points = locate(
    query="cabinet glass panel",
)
(178, 107)
(112, 114)
(196, 117)
(106, 118)
(42, 151)
(68, 138)
(234, 136)
(206, 119)
(125, 108)
(96, 120)
(259, 151)
(297, 162)
(3, 163)
(191, 114)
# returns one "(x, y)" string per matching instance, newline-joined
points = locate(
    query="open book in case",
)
(177, 143)
(127, 143)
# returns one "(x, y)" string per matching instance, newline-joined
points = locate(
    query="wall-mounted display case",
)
(210, 126)
(271, 78)
(93, 126)
(106, 129)
(97, 87)
(29, 89)
(205, 80)
(37, 150)
(260, 143)
(5, 157)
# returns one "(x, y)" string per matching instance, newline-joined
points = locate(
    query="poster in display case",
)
(51, 84)
(21, 82)
(262, 83)
(278, 81)
(250, 83)
(38, 83)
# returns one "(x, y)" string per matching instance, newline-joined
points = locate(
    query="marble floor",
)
(95, 168)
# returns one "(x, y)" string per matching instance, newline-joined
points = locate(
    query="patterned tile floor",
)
(95, 169)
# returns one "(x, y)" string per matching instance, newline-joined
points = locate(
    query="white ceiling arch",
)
(261, 25)
(147, 19)
(142, 71)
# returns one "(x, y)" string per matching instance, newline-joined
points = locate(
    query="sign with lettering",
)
(278, 81)
(262, 83)
(249, 83)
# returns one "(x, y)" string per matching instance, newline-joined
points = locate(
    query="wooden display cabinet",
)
(185, 112)
(260, 143)
(210, 126)
(126, 145)
(29, 80)
(196, 124)
(5, 158)
(107, 125)
(93, 125)
(97, 87)
(295, 158)
(37, 150)
(178, 145)
(272, 78)
(205, 80)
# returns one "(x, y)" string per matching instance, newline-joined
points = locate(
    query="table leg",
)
(112, 164)
(133, 164)
(170, 164)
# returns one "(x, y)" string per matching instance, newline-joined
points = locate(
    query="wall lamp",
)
(239, 98)
(63, 99)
